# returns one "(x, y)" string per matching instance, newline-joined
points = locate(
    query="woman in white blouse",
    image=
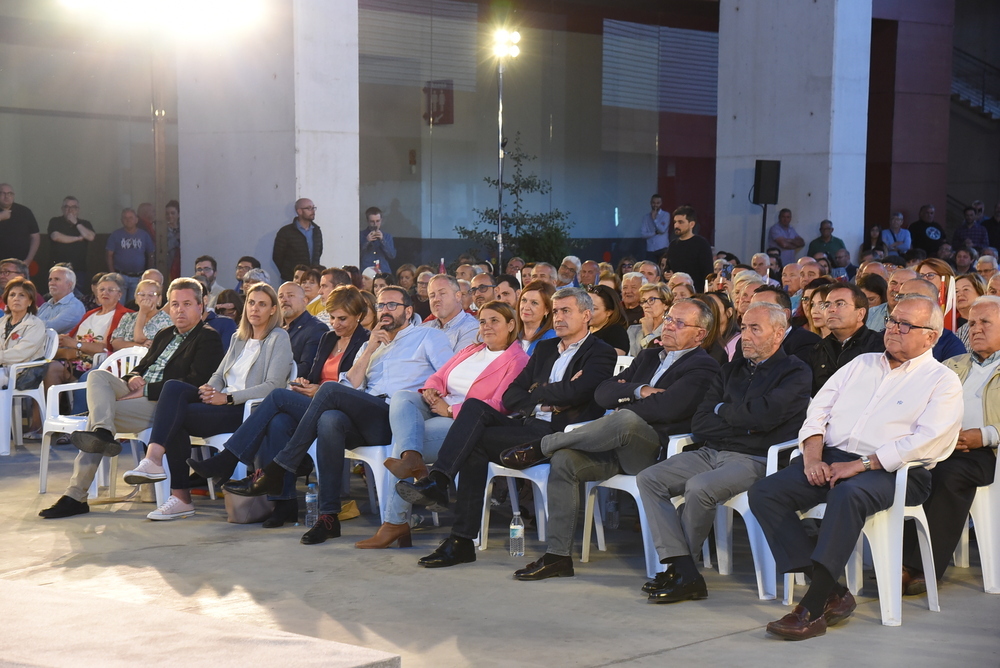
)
(258, 361)
(421, 420)
(22, 332)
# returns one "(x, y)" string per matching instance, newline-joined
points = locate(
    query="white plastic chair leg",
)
(5, 425)
(723, 538)
(961, 556)
(43, 467)
(986, 516)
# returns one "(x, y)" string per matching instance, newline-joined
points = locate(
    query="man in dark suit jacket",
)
(655, 397)
(798, 341)
(752, 405)
(189, 351)
(555, 389)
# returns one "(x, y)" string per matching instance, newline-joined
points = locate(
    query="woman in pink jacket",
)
(420, 420)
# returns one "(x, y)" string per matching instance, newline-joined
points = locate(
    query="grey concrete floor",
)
(473, 614)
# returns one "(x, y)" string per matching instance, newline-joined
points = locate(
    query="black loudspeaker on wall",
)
(766, 176)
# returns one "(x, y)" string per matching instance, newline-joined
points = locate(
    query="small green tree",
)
(534, 236)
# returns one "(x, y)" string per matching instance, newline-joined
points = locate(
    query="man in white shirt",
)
(875, 415)
(974, 462)
(445, 296)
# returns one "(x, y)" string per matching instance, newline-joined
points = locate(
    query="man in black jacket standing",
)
(689, 252)
(189, 351)
(750, 406)
(298, 242)
(555, 389)
(846, 308)
(655, 397)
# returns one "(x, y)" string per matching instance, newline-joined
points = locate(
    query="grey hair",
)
(452, 281)
(582, 297)
(748, 277)
(775, 314)
(705, 318)
(67, 272)
(574, 260)
(764, 256)
(113, 277)
(555, 271)
(988, 300)
(989, 259)
(634, 274)
(255, 275)
(682, 276)
(936, 321)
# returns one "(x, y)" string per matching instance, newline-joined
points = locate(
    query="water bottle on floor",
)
(611, 515)
(312, 505)
(517, 536)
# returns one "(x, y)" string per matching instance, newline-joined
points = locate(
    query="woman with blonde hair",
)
(258, 361)
(138, 328)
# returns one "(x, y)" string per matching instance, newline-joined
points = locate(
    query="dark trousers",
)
(338, 417)
(776, 498)
(479, 435)
(180, 414)
(953, 488)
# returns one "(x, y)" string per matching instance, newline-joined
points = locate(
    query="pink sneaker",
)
(173, 509)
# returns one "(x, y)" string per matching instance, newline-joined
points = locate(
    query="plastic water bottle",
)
(611, 516)
(517, 536)
(312, 505)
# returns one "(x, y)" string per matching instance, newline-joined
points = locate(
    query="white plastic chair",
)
(373, 457)
(10, 398)
(537, 475)
(624, 361)
(120, 363)
(986, 518)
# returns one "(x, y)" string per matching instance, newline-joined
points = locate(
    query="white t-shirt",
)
(465, 373)
(95, 327)
(236, 376)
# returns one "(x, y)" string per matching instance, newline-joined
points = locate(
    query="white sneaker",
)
(145, 472)
(173, 509)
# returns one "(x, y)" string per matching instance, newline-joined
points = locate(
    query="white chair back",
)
(51, 343)
(624, 361)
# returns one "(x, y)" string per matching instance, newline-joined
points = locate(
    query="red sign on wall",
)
(439, 99)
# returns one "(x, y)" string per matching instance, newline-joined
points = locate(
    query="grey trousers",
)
(616, 443)
(107, 412)
(705, 477)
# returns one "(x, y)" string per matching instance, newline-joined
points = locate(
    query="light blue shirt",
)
(308, 234)
(876, 317)
(559, 371)
(62, 315)
(405, 362)
(667, 360)
(460, 330)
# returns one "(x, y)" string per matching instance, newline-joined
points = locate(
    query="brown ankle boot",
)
(386, 535)
(410, 465)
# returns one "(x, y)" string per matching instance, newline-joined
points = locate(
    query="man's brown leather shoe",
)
(523, 456)
(839, 608)
(796, 625)
(913, 583)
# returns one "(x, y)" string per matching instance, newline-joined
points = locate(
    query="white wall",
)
(793, 86)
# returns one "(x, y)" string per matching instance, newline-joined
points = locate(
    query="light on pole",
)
(504, 47)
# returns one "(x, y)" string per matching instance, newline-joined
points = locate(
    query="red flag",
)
(946, 299)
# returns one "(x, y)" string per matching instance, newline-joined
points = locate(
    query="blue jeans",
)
(131, 283)
(414, 427)
(338, 417)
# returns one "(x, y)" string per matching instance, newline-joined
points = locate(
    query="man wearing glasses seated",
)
(846, 309)
(948, 345)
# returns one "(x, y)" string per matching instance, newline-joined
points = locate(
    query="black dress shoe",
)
(98, 442)
(220, 466)
(429, 492)
(539, 570)
(239, 487)
(66, 506)
(453, 551)
(661, 581)
(285, 510)
(327, 526)
(523, 456)
(268, 480)
(680, 589)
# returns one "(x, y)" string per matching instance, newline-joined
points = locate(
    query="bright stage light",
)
(505, 43)
(180, 18)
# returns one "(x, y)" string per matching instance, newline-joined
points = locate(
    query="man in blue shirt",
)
(129, 252)
(397, 356)
(461, 328)
(656, 229)
(376, 244)
(63, 311)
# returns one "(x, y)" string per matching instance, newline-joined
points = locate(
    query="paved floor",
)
(467, 615)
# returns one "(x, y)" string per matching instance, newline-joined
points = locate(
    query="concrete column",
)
(793, 86)
(265, 117)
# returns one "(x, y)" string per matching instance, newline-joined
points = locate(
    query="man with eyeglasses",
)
(948, 345)
(483, 290)
(355, 411)
(653, 398)
(18, 227)
(9, 269)
(568, 272)
(846, 308)
(444, 295)
(877, 414)
(70, 235)
(877, 315)
(421, 304)
(298, 242)
(751, 405)
(245, 264)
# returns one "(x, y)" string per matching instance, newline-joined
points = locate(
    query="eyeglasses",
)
(650, 301)
(679, 324)
(930, 276)
(388, 306)
(483, 289)
(904, 327)
(107, 290)
(627, 265)
(146, 294)
(839, 304)
(8, 272)
(422, 282)
(244, 267)
(308, 208)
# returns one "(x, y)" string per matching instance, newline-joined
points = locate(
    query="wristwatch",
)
(79, 345)
(229, 400)
(867, 463)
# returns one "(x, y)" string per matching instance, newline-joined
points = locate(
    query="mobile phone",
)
(295, 383)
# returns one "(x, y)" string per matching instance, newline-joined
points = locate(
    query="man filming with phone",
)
(376, 245)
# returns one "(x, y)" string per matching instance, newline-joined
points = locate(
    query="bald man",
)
(299, 242)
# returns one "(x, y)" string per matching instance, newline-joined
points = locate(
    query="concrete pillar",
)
(793, 86)
(265, 117)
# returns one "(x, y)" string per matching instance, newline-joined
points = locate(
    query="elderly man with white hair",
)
(63, 310)
(631, 282)
(761, 263)
(569, 272)
(877, 414)
(986, 266)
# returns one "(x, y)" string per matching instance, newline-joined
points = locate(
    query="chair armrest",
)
(249, 406)
(575, 425)
(902, 477)
(777, 449)
(52, 397)
(15, 369)
(679, 443)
